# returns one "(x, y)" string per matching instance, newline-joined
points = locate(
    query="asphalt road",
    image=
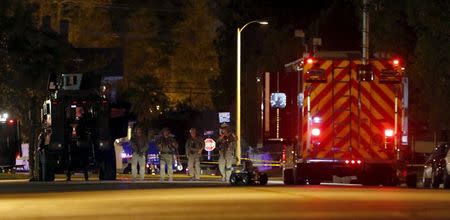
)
(213, 200)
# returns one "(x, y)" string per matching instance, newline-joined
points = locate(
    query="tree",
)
(418, 31)
(90, 22)
(144, 50)
(29, 55)
(147, 98)
(194, 61)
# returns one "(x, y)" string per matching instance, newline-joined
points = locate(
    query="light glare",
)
(315, 132)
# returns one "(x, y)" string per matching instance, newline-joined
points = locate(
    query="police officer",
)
(168, 149)
(139, 144)
(194, 147)
(43, 166)
(226, 145)
(40, 160)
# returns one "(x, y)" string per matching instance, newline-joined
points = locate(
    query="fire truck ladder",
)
(341, 109)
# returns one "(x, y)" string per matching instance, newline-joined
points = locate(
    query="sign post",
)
(210, 144)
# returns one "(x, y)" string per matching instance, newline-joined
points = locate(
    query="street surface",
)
(215, 200)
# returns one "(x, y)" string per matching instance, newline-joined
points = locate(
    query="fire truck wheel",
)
(392, 181)
(288, 177)
(446, 180)
(366, 180)
(411, 181)
(263, 179)
(313, 181)
(300, 181)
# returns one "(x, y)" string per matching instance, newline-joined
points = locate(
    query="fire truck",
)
(79, 128)
(337, 118)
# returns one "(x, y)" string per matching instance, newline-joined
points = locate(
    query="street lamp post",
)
(238, 89)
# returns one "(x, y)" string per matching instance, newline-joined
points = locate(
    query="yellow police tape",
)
(256, 164)
(263, 163)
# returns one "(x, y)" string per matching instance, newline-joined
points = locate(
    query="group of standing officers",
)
(168, 152)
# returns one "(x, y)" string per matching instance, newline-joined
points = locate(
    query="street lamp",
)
(238, 89)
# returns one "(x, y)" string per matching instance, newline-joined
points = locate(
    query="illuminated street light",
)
(238, 89)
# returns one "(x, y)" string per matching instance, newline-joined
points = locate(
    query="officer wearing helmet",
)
(227, 146)
(194, 147)
(168, 149)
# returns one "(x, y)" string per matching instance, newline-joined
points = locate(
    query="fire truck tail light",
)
(353, 162)
(389, 133)
(396, 62)
(315, 132)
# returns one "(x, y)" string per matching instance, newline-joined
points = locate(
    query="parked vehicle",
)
(78, 118)
(9, 143)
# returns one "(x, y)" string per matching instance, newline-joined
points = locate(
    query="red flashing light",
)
(353, 161)
(315, 132)
(11, 121)
(347, 161)
(389, 133)
(396, 62)
(358, 161)
(310, 61)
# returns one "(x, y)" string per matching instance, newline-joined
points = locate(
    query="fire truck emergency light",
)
(315, 132)
(388, 133)
(317, 119)
(310, 61)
